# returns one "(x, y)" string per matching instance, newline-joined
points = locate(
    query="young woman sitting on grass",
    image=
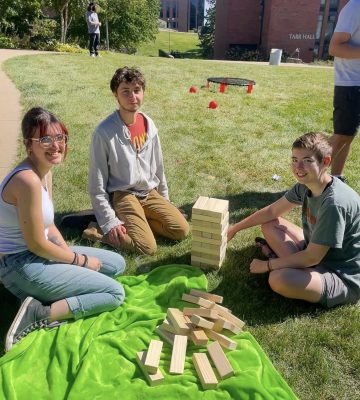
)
(55, 282)
(319, 263)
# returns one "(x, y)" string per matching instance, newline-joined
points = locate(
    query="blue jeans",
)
(87, 292)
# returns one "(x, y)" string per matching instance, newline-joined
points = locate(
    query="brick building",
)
(183, 15)
(289, 25)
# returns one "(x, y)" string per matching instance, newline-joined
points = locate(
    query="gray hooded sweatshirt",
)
(115, 165)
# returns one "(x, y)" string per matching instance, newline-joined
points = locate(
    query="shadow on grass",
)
(249, 296)
(9, 307)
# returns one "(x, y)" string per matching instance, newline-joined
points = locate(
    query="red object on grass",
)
(250, 88)
(193, 89)
(213, 104)
(222, 87)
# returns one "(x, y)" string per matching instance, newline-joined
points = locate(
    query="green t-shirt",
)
(333, 219)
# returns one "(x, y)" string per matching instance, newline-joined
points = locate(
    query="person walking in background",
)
(54, 281)
(93, 24)
(345, 47)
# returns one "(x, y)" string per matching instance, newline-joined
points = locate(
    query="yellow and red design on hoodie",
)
(138, 132)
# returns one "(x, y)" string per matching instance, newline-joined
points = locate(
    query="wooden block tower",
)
(210, 222)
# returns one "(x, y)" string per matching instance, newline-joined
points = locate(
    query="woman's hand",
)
(259, 266)
(92, 262)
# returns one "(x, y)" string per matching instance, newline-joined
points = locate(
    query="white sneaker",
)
(92, 55)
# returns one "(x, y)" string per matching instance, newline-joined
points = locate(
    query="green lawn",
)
(231, 152)
(184, 42)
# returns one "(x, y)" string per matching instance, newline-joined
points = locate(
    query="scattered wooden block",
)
(220, 309)
(205, 372)
(229, 317)
(198, 336)
(167, 326)
(176, 317)
(220, 360)
(153, 379)
(222, 339)
(197, 300)
(202, 322)
(167, 336)
(209, 296)
(202, 312)
(222, 323)
(178, 355)
(153, 354)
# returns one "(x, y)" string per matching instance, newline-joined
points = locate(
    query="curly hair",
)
(129, 75)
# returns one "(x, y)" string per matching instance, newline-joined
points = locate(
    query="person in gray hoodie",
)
(93, 24)
(127, 183)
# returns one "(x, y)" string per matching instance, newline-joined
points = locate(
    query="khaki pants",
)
(144, 217)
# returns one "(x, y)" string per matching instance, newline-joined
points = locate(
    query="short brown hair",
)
(129, 75)
(317, 142)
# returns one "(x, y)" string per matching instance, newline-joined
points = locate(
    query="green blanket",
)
(95, 358)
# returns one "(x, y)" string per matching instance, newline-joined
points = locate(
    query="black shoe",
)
(31, 315)
(78, 220)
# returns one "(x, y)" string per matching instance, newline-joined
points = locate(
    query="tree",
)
(207, 33)
(67, 10)
(131, 22)
(17, 16)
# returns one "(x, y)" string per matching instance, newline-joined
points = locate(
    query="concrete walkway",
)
(10, 113)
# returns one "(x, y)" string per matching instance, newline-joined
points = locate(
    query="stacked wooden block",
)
(198, 325)
(210, 222)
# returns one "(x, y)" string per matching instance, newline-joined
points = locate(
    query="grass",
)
(231, 152)
(184, 42)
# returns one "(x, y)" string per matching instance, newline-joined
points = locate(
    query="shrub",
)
(68, 48)
(241, 54)
(6, 42)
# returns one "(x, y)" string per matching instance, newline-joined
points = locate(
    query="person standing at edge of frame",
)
(93, 24)
(345, 47)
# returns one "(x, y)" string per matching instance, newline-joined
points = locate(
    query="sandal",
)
(265, 248)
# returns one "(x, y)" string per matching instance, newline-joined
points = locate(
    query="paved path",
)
(10, 113)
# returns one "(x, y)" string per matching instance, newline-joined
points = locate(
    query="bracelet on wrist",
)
(85, 263)
(269, 265)
(73, 262)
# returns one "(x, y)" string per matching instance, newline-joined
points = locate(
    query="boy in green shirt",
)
(320, 262)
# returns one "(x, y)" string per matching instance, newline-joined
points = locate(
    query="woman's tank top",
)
(11, 237)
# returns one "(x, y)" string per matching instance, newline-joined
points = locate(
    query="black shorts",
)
(346, 114)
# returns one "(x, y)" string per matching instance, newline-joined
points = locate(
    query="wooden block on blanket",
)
(197, 300)
(209, 296)
(204, 370)
(153, 379)
(167, 336)
(199, 337)
(176, 317)
(220, 360)
(221, 324)
(202, 322)
(202, 312)
(226, 314)
(178, 355)
(222, 339)
(153, 354)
